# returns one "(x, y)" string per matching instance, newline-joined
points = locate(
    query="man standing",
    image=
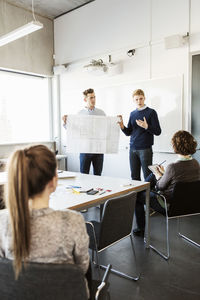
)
(87, 158)
(142, 126)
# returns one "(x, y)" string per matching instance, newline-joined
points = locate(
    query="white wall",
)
(100, 27)
(115, 28)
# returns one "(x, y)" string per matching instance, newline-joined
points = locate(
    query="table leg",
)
(147, 228)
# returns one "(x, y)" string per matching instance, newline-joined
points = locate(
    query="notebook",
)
(65, 174)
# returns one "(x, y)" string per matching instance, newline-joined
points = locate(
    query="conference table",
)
(68, 193)
(71, 186)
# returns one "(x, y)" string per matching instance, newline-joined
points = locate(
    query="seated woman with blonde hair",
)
(29, 229)
(185, 169)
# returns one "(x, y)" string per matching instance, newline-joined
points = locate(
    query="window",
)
(24, 108)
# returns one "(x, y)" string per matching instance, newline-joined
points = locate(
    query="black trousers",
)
(86, 159)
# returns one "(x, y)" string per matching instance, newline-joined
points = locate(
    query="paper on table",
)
(66, 174)
(92, 134)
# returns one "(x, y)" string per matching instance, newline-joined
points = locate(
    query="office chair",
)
(115, 225)
(47, 282)
(185, 202)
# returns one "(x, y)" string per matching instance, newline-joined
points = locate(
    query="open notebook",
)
(155, 168)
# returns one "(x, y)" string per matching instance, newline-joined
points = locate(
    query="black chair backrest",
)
(117, 219)
(40, 281)
(185, 199)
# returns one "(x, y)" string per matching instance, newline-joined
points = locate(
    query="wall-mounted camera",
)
(131, 52)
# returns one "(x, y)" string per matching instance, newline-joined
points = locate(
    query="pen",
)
(162, 162)
(75, 192)
(73, 186)
(102, 192)
(128, 184)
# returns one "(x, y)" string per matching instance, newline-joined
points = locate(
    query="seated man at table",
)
(186, 169)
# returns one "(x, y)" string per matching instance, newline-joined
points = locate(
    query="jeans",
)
(139, 207)
(96, 159)
(138, 159)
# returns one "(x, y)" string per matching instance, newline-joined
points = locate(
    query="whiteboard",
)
(164, 95)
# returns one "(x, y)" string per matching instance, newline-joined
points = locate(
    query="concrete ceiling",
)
(50, 8)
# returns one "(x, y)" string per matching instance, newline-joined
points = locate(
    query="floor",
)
(177, 278)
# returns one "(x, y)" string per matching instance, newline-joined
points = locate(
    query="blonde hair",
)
(138, 92)
(29, 171)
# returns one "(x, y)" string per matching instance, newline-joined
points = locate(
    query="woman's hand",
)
(161, 169)
(159, 172)
(120, 122)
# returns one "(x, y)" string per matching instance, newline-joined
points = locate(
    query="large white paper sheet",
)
(92, 134)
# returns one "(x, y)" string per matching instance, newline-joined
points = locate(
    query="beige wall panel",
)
(32, 53)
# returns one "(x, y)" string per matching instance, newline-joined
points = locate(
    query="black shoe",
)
(138, 232)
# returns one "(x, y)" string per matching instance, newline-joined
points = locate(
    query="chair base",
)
(173, 214)
(121, 274)
(189, 240)
(166, 257)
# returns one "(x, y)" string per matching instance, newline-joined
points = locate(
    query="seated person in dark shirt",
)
(185, 169)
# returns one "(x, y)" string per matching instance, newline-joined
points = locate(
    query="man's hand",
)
(120, 122)
(142, 124)
(64, 118)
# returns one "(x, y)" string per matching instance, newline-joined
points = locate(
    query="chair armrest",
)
(164, 199)
(159, 194)
(92, 235)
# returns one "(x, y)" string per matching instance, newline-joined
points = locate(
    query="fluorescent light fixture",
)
(20, 32)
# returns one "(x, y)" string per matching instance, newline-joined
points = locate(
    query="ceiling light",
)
(20, 32)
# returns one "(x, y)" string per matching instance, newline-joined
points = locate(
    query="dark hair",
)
(184, 143)
(29, 171)
(88, 91)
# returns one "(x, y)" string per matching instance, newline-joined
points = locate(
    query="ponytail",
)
(29, 171)
(17, 197)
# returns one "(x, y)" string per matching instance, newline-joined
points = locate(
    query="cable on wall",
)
(33, 13)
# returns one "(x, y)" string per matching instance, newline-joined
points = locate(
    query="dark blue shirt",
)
(142, 138)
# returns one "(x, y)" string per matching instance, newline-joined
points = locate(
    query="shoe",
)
(138, 232)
